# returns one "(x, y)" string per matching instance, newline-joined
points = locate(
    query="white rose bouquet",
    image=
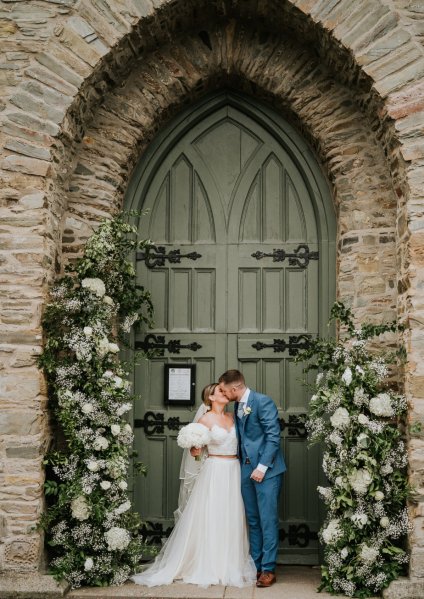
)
(193, 435)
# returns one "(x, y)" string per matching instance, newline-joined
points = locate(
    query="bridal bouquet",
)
(193, 435)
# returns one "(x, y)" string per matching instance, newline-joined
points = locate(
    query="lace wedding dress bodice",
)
(222, 442)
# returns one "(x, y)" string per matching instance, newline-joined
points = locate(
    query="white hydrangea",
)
(359, 519)
(386, 469)
(384, 522)
(335, 438)
(363, 419)
(108, 300)
(123, 485)
(326, 492)
(105, 485)
(117, 538)
(87, 408)
(107, 374)
(347, 376)
(88, 331)
(113, 348)
(88, 564)
(381, 405)
(340, 418)
(359, 370)
(96, 286)
(80, 508)
(115, 429)
(103, 346)
(100, 443)
(93, 466)
(379, 496)
(360, 480)
(368, 554)
(123, 507)
(332, 532)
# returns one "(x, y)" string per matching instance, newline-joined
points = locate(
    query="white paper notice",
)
(179, 383)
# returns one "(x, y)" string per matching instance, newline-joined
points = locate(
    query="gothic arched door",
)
(234, 189)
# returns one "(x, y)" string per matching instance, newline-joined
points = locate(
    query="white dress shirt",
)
(243, 399)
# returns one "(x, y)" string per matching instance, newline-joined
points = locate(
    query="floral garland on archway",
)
(357, 414)
(88, 522)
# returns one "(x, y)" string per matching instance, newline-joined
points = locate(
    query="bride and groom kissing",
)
(239, 479)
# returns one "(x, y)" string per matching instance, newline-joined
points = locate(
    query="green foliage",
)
(92, 532)
(356, 413)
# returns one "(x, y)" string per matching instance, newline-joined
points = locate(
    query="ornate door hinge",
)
(156, 256)
(298, 534)
(295, 343)
(300, 256)
(296, 425)
(154, 423)
(157, 342)
(154, 532)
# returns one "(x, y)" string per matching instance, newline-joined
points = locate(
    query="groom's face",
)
(231, 391)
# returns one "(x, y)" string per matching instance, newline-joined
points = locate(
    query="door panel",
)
(238, 286)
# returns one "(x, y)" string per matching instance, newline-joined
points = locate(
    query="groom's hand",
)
(257, 475)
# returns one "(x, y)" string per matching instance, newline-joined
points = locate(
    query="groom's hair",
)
(232, 376)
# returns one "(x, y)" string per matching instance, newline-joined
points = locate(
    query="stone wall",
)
(85, 86)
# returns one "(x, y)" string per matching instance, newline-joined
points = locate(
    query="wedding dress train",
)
(209, 543)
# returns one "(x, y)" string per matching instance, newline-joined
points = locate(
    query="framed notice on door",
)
(180, 384)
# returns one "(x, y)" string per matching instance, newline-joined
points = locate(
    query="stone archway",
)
(83, 56)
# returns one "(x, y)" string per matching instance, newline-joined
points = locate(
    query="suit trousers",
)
(261, 505)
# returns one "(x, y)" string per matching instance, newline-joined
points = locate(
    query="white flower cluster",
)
(340, 419)
(117, 538)
(332, 533)
(381, 405)
(193, 435)
(96, 286)
(89, 383)
(360, 479)
(80, 508)
(355, 414)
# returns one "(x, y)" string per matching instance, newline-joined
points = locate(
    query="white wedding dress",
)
(209, 543)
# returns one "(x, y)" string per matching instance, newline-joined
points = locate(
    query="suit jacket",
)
(259, 433)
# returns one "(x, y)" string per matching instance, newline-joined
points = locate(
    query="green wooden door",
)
(246, 290)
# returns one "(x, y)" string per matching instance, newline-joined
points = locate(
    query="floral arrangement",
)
(88, 522)
(356, 412)
(193, 435)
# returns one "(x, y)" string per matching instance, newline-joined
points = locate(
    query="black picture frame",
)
(177, 390)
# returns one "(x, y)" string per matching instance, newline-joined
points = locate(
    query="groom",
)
(262, 467)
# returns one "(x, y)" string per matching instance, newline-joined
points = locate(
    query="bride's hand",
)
(194, 451)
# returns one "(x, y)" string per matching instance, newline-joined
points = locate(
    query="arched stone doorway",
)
(351, 82)
(244, 220)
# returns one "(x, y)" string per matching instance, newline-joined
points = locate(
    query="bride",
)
(209, 542)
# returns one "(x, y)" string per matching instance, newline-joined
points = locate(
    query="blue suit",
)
(259, 442)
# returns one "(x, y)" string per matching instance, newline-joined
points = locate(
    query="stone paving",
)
(293, 582)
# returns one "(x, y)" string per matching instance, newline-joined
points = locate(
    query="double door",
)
(235, 283)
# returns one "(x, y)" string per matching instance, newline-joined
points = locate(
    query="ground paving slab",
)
(293, 582)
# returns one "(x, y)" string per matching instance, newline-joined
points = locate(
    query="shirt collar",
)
(245, 396)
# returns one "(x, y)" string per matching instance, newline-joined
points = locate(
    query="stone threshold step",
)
(293, 582)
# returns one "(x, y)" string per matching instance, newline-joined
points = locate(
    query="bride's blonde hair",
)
(207, 392)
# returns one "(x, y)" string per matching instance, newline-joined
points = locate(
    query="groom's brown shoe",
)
(258, 574)
(266, 579)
